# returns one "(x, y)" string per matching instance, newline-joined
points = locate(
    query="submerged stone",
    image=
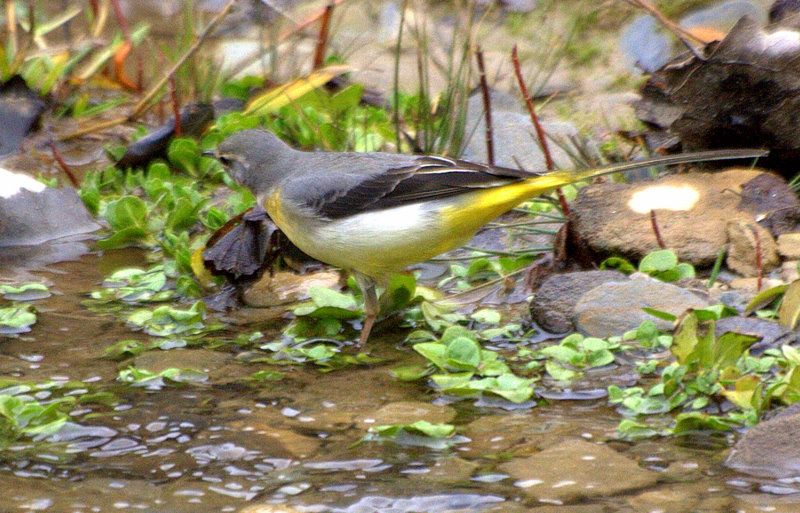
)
(769, 449)
(576, 469)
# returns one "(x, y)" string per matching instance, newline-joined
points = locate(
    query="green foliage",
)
(420, 428)
(16, 319)
(327, 356)
(662, 264)
(157, 380)
(25, 291)
(22, 416)
(134, 285)
(577, 352)
(166, 321)
(462, 367)
(708, 370)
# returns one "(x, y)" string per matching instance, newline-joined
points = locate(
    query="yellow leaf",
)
(277, 97)
(789, 311)
(205, 278)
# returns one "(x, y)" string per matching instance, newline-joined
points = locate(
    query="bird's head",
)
(255, 159)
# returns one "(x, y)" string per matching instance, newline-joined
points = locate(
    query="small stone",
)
(789, 245)
(745, 241)
(790, 271)
(450, 470)
(297, 445)
(407, 412)
(576, 469)
(554, 302)
(614, 308)
(200, 359)
(285, 287)
(750, 285)
(769, 449)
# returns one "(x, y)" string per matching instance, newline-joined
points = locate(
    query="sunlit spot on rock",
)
(780, 41)
(664, 197)
(12, 183)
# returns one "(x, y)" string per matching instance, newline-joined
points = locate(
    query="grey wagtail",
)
(376, 213)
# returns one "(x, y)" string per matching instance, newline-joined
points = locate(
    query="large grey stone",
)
(614, 308)
(769, 449)
(576, 469)
(31, 214)
(554, 302)
(693, 212)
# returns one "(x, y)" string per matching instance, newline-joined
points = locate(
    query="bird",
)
(375, 214)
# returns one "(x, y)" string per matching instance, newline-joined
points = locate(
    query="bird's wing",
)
(424, 178)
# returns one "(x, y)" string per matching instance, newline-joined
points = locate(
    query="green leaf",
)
(486, 316)
(660, 314)
(558, 372)
(463, 354)
(16, 319)
(789, 311)
(658, 261)
(764, 298)
(25, 291)
(618, 263)
(692, 422)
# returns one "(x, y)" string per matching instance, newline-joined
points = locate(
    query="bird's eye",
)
(225, 160)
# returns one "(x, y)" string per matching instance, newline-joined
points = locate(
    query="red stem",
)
(548, 158)
(176, 107)
(95, 5)
(322, 38)
(123, 23)
(656, 230)
(487, 106)
(63, 165)
(759, 259)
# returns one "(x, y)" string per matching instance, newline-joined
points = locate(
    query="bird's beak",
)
(211, 153)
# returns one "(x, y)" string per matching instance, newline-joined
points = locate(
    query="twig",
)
(144, 103)
(487, 106)
(247, 60)
(95, 5)
(11, 27)
(656, 230)
(396, 93)
(759, 259)
(540, 134)
(123, 22)
(682, 34)
(176, 106)
(548, 158)
(322, 38)
(63, 165)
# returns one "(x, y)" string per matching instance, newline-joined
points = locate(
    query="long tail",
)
(483, 206)
(543, 183)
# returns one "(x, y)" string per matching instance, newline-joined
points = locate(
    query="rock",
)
(645, 45)
(284, 287)
(790, 271)
(407, 412)
(31, 214)
(693, 211)
(680, 498)
(772, 202)
(451, 469)
(785, 13)
(761, 502)
(789, 245)
(201, 359)
(515, 141)
(553, 304)
(750, 285)
(20, 110)
(722, 16)
(770, 334)
(746, 239)
(266, 434)
(576, 469)
(614, 308)
(769, 449)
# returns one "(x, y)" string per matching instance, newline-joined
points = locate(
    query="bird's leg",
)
(371, 306)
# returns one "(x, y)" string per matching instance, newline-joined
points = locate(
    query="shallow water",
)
(228, 443)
